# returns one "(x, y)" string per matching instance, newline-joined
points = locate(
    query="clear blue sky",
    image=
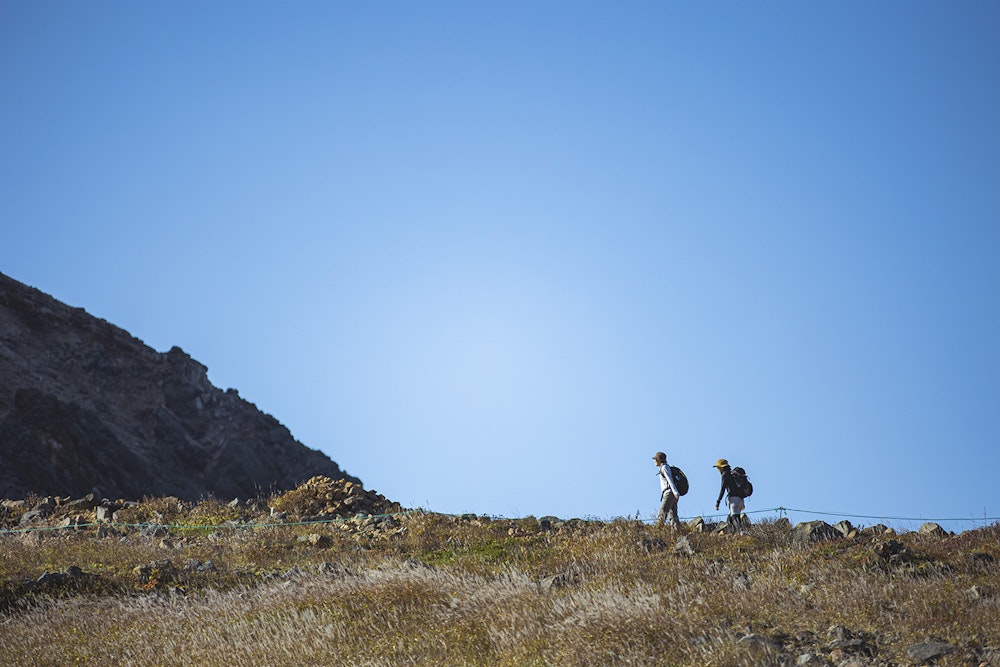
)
(490, 257)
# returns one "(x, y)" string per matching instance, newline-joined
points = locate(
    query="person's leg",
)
(736, 517)
(662, 515)
(670, 503)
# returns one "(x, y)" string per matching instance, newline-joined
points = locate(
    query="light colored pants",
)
(668, 508)
(737, 520)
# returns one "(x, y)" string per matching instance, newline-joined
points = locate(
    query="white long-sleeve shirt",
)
(667, 480)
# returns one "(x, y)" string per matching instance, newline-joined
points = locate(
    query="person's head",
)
(722, 465)
(660, 458)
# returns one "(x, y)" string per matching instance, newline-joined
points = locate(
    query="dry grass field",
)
(212, 585)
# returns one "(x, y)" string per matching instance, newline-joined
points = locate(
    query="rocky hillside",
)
(327, 574)
(87, 408)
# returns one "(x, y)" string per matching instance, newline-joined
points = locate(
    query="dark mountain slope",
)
(85, 407)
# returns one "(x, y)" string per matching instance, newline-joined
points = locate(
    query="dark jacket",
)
(727, 484)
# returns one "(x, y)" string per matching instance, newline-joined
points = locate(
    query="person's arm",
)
(722, 491)
(665, 471)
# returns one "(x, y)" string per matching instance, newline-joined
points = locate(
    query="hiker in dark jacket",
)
(668, 492)
(736, 519)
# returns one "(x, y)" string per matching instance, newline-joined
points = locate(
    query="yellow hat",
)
(721, 463)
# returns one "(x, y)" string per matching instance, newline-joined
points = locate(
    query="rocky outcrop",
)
(87, 408)
(814, 531)
(321, 498)
(931, 529)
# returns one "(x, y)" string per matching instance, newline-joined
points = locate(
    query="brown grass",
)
(440, 590)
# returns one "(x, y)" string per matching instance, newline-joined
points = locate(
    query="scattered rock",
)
(87, 503)
(104, 532)
(925, 651)
(652, 544)
(877, 530)
(33, 517)
(814, 531)
(741, 582)
(72, 522)
(46, 505)
(931, 529)
(889, 548)
(156, 572)
(105, 513)
(316, 540)
(720, 528)
(845, 528)
(548, 523)
(154, 530)
(71, 572)
(200, 566)
(836, 634)
(683, 547)
(977, 593)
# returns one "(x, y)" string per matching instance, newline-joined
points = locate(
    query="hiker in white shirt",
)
(668, 492)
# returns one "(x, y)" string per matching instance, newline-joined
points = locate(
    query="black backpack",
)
(680, 480)
(741, 486)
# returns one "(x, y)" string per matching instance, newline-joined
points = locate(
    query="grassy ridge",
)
(426, 589)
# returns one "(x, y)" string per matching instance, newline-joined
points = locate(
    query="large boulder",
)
(931, 529)
(814, 531)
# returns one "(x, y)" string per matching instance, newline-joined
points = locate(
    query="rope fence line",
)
(887, 518)
(781, 511)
